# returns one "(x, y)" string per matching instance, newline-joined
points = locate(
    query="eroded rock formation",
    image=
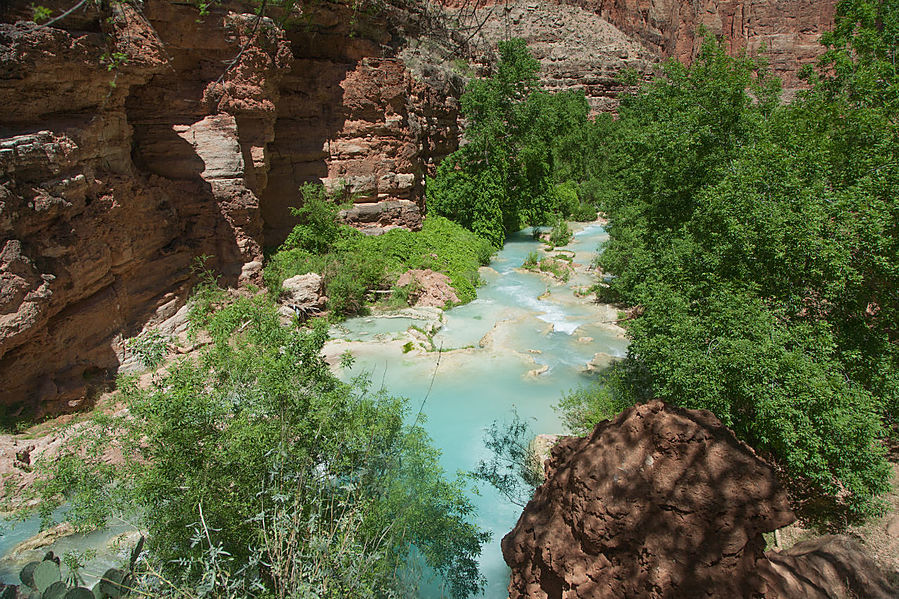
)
(137, 139)
(579, 51)
(658, 502)
(787, 29)
(665, 502)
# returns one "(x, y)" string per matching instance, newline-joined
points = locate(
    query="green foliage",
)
(357, 263)
(560, 235)
(567, 201)
(759, 239)
(558, 266)
(318, 229)
(584, 213)
(582, 408)
(150, 347)
(114, 60)
(520, 141)
(569, 204)
(256, 471)
(40, 13)
(860, 63)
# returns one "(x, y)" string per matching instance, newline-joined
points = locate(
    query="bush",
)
(560, 234)
(584, 213)
(318, 228)
(255, 470)
(357, 264)
(567, 202)
(558, 267)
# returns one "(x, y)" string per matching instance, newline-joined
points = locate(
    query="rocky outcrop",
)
(579, 51)
(380, 217)
(665, 502)
(576, 50)
(788, 30)
(428, 288)
(659, 502)
(828, 567)
(145, 135)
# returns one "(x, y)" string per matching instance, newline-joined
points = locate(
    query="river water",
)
(521, 345)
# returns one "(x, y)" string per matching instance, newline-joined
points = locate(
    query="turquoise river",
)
(521, 345)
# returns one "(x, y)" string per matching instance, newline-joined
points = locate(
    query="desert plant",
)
(150, 347)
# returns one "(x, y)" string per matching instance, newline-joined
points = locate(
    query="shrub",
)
(567, 202)
(255, 470)
(560, 234)
(318, 228)
(357, 264)
(150, 347)
(584, 213)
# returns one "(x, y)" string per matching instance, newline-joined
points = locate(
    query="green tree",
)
(758, 240)
(256, 471)
(520, 142)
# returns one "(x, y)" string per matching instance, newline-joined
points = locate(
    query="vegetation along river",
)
(522, 344)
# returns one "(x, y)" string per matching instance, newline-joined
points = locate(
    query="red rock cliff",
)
(134, 140)
(789, 29)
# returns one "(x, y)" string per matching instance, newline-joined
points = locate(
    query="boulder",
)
(828, 567)
(302, 290)
(659, 502)
(429, 288)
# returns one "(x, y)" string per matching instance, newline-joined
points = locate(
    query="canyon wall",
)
(788, 30)
(577, 50)
(137, 137)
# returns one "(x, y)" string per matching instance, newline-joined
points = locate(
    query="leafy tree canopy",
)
(758, 240)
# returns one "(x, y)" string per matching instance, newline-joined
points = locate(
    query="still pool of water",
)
(526, 340)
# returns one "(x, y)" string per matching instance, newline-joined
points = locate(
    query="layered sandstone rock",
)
(576, 50)
(140, 138)
(659, 502)
(788, 30)
(580, 52)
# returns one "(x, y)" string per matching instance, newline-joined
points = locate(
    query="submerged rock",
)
(34, 548)
(659, 502)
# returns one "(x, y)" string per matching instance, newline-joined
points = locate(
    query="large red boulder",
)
(659, 502)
